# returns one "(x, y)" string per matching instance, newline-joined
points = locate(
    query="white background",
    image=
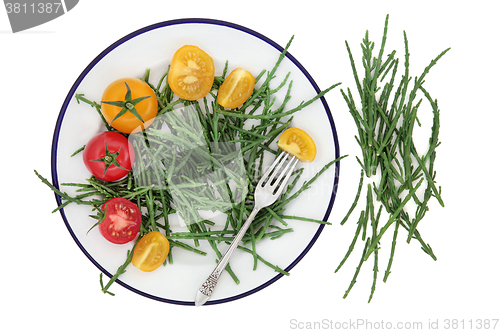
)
(48, 284)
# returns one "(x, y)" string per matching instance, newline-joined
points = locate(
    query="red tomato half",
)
(121, 222)
(109, 156)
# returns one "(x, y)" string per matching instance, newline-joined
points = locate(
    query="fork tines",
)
(279, 172)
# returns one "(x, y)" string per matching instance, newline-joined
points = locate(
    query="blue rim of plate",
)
(161, 25)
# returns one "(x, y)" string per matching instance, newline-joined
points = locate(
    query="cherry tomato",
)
(298, 143)
(129, 105)
(151, 251)
(121, 222)
(236, 88)
(191, 73)
(109, 156)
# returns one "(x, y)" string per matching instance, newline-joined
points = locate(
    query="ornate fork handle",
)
(206, 289)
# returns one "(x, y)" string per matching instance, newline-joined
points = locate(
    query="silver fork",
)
(269, 188)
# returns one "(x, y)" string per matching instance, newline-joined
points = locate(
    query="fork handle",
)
(205, 291)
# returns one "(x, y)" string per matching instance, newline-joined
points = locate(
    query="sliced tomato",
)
(298, 143)
(191, 73)
(122, 220)
(236, 88)
(151, 251)
(109, 156)
(129, 105)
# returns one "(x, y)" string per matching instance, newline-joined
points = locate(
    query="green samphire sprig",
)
(393, 174)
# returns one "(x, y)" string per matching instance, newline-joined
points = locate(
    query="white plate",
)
(152, 47)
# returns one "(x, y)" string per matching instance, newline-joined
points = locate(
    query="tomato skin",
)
(236, 88)
(118, 146)
(192, 73)
(151, 251)
(122, 221)
(147, 108)
(298, 143)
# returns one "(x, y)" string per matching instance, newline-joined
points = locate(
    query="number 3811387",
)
(40, 8)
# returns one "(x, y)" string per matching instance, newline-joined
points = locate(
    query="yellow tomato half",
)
(298, 143)
(236, 88)
(191, 73)
(129, 105)
(151, 251)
